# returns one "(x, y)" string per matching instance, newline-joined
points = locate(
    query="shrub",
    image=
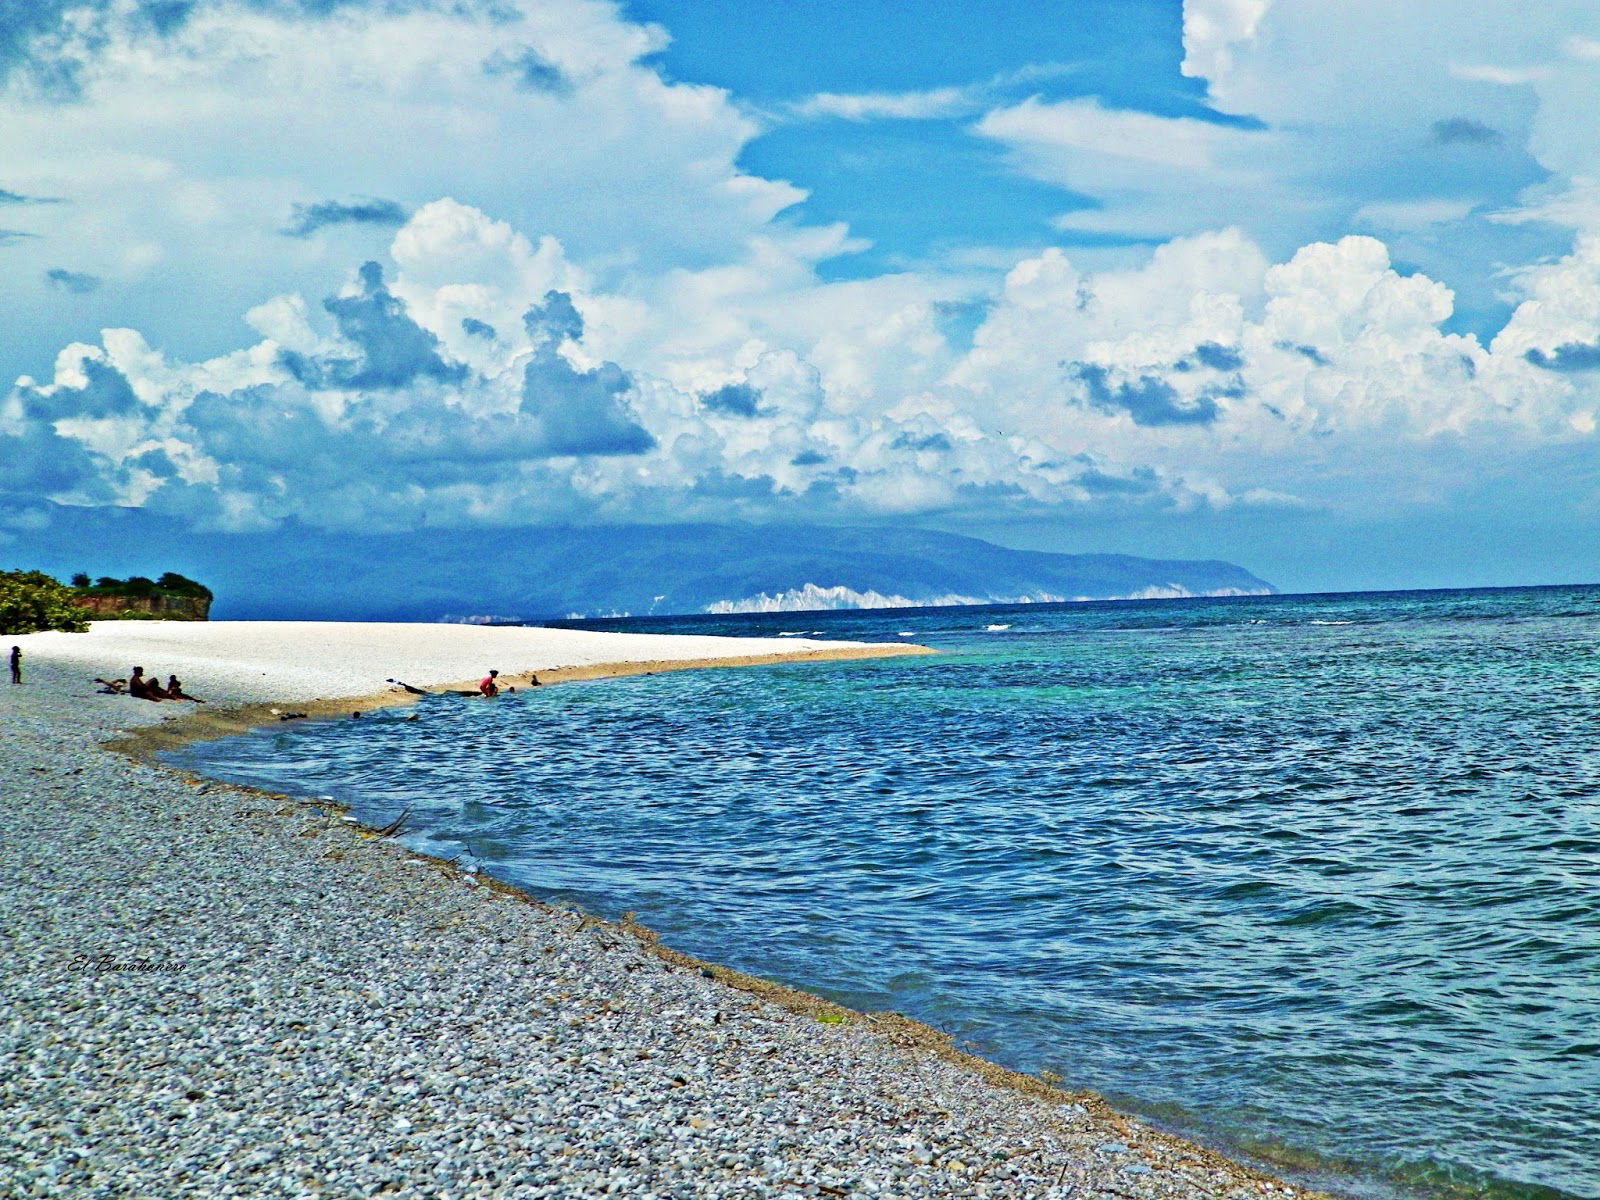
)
(31, 601)
(177, 585)
(170, 584)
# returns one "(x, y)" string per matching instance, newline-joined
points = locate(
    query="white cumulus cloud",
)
(1212, 28)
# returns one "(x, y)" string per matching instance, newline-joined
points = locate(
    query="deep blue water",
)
(1314, 878)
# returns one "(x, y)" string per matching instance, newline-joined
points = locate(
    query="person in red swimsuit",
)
(489, 687)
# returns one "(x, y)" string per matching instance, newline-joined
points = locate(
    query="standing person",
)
(16, 664)
(489, 687)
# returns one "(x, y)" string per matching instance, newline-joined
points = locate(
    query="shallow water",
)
(1316, 878)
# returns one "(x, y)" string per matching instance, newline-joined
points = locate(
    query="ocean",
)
(1312, 879)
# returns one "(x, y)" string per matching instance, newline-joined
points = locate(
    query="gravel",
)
(212, 991)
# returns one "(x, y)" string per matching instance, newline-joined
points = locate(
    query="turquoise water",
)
(1314, 878)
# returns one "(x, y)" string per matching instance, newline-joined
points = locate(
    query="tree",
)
(178, 585)
(31, 601)
(80, 580)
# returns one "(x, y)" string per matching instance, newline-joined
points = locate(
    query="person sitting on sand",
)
(144, 689)
(488, 687)
(175, 691)
(112, 687)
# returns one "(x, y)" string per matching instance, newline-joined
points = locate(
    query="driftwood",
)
(394, 826)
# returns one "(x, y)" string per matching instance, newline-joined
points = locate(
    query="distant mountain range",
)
(298, 572)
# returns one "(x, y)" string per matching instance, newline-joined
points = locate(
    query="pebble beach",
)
(215, 991)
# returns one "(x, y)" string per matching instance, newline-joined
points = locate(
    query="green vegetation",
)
(31, 601)
(170, 584)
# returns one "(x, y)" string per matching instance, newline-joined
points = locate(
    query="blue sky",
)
(921, 189)
(1310, 286)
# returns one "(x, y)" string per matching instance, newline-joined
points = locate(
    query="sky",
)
(1313, 287)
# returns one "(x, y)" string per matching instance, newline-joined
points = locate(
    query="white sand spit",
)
(245, 662)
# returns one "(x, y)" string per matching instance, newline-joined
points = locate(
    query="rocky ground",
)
(215, 992)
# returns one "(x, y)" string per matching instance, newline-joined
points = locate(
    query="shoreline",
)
(1112, 1152)
(199, 724)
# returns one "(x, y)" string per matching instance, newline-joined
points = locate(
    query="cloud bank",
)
(506, 386)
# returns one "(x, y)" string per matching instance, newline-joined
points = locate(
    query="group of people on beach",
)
(143, 687)
(137, 684)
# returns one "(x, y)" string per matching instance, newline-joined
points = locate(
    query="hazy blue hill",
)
(530, 573)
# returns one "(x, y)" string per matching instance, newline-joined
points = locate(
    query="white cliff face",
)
(1176, 591)
(814, 597)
